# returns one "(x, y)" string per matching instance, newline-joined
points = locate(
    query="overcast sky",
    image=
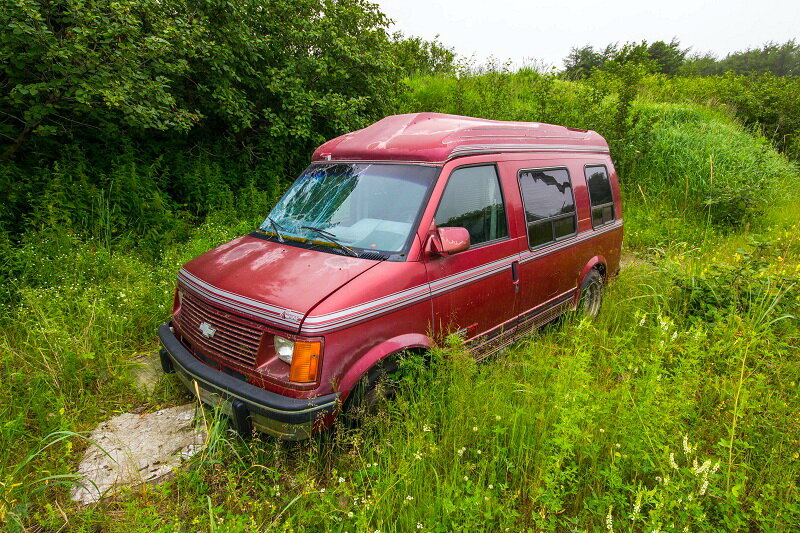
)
(546, 30)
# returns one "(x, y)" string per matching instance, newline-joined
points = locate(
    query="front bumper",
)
(248, 405)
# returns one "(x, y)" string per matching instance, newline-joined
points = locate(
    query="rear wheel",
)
(591, 294)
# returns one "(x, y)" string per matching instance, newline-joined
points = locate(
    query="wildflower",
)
(341, 480)
(419, 525)
(687, 448)
(409, 498)
(702, 468)
(466, 478)
(426, 428)
(618, 445)
(474, 428)
(322, 489)
(672, 462)
(602, 430)
(703, 487)
(491, 486)
(417, 456)
(479, 452)
(497, 417)
(461, 451)
(637, 505)
(610, 519)
(641, 322)
(350, 514)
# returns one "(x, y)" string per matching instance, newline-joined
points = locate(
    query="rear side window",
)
(473, 200)
(549, 205)
(600, 195)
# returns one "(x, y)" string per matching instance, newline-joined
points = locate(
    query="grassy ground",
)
(677, 408)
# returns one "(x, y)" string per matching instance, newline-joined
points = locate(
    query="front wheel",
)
(591, 294)
(370, 393)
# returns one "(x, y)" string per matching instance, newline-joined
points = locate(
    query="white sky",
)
(545, 30)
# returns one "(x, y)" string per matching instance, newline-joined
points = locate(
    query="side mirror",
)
(446, 241)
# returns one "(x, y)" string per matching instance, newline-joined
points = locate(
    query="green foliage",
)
(771, 58)
(658, 56)
(117, 115)
(696, 163)
(669, 58)
(660, 414)
(416, 56)
(766, 102)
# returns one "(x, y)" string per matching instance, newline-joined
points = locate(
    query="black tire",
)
(591, 294)
(370, 393)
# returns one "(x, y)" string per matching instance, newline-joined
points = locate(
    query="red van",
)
(414, 227)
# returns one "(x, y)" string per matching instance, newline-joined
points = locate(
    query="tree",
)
(273, 74)
(414, 55)
(68, 63)
(581, 60)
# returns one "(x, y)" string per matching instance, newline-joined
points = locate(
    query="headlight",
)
(284, 348)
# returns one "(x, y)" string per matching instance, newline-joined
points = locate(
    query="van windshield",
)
(367, 206)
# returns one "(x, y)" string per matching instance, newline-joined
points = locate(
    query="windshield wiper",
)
(275, 227)
(331, 237)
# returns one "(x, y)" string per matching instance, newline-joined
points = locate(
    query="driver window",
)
(473, 200)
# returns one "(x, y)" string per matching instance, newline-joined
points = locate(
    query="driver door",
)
(474, 292)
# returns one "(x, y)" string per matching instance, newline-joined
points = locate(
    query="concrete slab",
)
(137, 449)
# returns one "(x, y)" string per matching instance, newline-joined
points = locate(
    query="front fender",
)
(377, 353)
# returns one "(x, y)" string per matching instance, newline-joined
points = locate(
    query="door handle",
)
(515, 275)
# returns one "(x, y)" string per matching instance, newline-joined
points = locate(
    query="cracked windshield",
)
(353, 206)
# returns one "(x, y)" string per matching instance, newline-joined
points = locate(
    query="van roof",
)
(437, 137)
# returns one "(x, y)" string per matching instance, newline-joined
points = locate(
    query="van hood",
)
(272, 282)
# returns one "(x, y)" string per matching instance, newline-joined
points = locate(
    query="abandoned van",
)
(414, 227)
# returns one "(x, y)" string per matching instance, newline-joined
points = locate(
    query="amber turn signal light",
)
(305, 362)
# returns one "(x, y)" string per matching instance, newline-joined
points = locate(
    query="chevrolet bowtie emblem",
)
(207, 330)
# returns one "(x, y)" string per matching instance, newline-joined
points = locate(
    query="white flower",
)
(687, 448)
(341, 480)
(426, 428)
(479, 452)
(491, 486)
(350, 514)
(461, 451)
(474, 428)
(322, 489)
(466, 478)
(419, 525)
(609, 520)
(417, 456)
(672, 462)
(409, 498)
(497, 417)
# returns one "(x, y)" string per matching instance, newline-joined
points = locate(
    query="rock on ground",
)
(136, 449)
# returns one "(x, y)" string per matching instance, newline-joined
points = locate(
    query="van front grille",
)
(234, 340)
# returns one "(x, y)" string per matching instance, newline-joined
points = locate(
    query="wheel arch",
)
(381, 352)
(598, 263)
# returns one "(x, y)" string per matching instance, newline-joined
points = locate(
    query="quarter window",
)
(472, 200)
(600, 195)
(549, 205)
